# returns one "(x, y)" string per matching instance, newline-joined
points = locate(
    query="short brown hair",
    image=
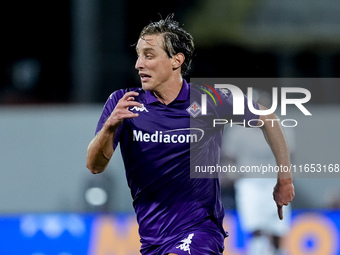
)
(176, 39)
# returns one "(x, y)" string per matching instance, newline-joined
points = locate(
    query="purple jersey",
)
(157, 151)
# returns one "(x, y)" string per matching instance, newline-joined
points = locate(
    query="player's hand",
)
(122, 111)
(283, 194)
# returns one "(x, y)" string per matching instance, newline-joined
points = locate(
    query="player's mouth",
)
(144, 77)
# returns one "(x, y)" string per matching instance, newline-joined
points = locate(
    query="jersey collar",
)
(182, 96)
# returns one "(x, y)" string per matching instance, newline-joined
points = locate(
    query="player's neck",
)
(169, 91)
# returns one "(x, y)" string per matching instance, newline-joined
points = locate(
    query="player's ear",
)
(177, 60)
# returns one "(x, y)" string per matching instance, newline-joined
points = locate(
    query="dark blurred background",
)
(80, 51)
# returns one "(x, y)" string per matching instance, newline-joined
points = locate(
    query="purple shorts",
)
(206, 239)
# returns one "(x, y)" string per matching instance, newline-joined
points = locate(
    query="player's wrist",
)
(111, 126)
(284, 180)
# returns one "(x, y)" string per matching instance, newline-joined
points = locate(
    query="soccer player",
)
(158, 128)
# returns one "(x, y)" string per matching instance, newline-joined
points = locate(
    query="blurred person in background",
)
(254, 202)
(176, 214)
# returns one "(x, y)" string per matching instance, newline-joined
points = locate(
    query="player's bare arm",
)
(100, 149)
(283, 192)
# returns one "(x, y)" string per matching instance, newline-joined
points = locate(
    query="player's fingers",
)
(280, 212)
(130, 115)
(128, 100)
(130, 94)
(125, 104)
(121, 114)
(129, 104)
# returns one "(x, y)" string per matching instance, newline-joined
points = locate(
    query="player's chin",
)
(147, 86)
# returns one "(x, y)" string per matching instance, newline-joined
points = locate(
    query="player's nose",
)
(139, 63)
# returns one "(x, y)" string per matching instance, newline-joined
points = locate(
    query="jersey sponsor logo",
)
(185, 243)
(139, 109)
(182, 135)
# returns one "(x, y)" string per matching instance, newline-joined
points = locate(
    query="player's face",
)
(154, 66)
